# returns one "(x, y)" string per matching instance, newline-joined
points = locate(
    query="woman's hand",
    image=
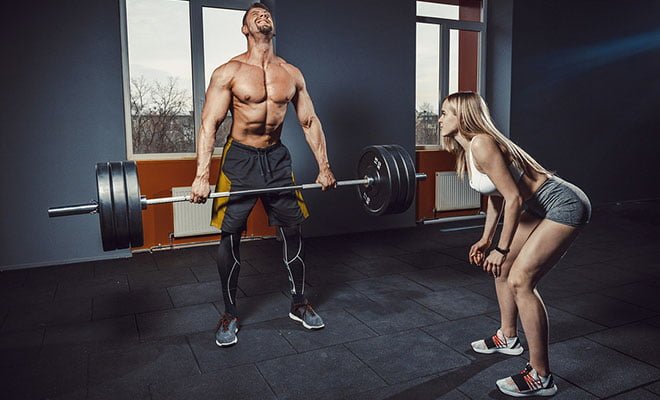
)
(493, 263)
(478, 251)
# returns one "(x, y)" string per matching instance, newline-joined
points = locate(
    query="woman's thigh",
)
(541, 251)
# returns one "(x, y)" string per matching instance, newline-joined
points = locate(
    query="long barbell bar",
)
(92, 208)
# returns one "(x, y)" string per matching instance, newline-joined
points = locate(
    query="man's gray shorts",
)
(560, 201)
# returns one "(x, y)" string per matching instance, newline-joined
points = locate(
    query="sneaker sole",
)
(551, 391)
(508, 352)
(293, 317)
(228, 343)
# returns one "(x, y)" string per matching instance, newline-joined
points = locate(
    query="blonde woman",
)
(542, 215)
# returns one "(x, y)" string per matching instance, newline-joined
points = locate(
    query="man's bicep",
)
(217, 101)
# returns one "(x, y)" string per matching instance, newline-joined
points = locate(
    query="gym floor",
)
(400, 307)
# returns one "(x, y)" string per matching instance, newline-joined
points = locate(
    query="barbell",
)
(386, 184)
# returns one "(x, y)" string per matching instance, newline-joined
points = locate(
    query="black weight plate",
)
(398, 205)
(390, 159)
(134, 205)
(376, 197)
(104, 193)
(410, 174)
(119, 206)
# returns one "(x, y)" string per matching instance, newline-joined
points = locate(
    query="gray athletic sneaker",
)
(225, 334)
(304, 313)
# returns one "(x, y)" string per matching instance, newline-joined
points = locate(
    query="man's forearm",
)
(316, 141)
(205, 147)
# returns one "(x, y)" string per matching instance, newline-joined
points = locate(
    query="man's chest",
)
(257, 85)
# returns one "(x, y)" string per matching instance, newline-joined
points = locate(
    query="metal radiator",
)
(192, 219)
(452, 193)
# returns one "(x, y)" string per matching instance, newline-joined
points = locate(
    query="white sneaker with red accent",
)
(498, 343)
(527, 383)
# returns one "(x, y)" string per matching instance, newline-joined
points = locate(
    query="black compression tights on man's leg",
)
(294, 255)
(229, 266)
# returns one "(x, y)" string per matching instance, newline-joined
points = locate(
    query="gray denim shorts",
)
(560, 201)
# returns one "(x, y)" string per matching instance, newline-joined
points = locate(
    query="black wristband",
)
(502, 251)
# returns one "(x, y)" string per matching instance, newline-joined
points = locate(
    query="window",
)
(171, 48)
(450, 57)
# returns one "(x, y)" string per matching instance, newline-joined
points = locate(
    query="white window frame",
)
(446, 25)
(197, 62)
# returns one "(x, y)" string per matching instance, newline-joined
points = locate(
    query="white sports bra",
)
(481, 182)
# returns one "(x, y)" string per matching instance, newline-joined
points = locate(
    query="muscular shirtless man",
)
(257, 86)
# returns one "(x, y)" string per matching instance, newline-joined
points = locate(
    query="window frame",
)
(445, 26)
(195, 13)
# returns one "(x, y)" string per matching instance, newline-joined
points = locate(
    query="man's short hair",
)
(256, 5)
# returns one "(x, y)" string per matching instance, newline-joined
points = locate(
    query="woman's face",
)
(448, 121)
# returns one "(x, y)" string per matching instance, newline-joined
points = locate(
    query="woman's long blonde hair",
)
(473, 119)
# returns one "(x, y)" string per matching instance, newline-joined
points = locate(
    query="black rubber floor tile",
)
(334, 297)
(442, 278)
(136, 302)
(653, 388)
(178, 321)
(637, 394)
(266, 265)
(240, 383)
(28, 294)
(562, 283)
(340, 327)
(610, 274)
(428, 259)
(577, 359)
(477, 380)
(388, 284)
(92, 288)
(460, 333)
(458, 303)
(139, 262)
(316, 275)
(195, 293)
(61, 273)
(255, 343)
(161, 278)
(486, 289)
(403, 356)
(20, 348)
(389, 317)
(264, 283)
(565, 325)
(261, 308)
(583, 255)
(12, 279)
(369, 249)
(334, 371)
(45, 314)
(379, 266)
(58, 370)
(637, 340)
(209, 272)
(403, 390)
(643, 294)
(127, 373)
(182, 258)
(602, 310)
(104, 333)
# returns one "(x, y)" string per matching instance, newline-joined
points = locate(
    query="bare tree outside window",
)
(426, 125)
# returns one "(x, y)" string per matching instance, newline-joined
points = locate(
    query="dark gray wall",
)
(62, 111)
(586, 92)
(498, 62)
(358, 59)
